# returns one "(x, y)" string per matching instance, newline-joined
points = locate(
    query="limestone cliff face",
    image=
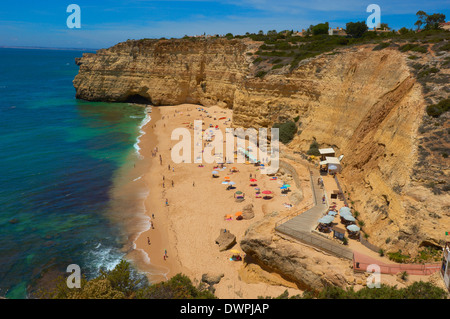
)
(367, 104)
(163, 72)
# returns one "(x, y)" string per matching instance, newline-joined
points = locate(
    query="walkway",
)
(361, 262)
(301, 226)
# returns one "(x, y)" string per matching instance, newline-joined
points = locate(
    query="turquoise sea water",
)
(58, 160)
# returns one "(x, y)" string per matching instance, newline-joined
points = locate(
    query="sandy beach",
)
(188, 226)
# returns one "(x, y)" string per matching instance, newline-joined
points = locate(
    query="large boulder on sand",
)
(247, 212)
(226, 240)
(211, 279)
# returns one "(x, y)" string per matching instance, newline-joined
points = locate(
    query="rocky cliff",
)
(365, 103)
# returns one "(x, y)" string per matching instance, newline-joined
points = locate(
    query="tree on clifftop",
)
(321, 28)
(430, 22)
(356, 29)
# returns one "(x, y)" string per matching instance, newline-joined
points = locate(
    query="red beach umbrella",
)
(267, 192)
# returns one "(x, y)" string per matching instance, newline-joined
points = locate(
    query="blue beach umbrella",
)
(349, 218)
(326, 219)
(353, 228)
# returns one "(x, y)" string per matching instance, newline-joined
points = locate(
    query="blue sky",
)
(105, 23)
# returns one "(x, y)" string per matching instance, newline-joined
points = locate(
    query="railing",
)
(315, 241)
(294, 174)
(425, 269)
(294, 214)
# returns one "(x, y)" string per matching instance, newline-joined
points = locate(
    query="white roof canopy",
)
(324, 151)
(332, 160)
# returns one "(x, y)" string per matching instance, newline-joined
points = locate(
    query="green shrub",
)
(381, 46)
(398, 257)
(260, 74)
(413, 47)
(286, 131)
(313, 149)
(436, 110)
(277, 66)
(123, 282)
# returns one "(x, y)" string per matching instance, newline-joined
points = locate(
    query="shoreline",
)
(148, 257)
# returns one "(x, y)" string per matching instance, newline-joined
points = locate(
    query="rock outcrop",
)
(226, 240)
(366, 104)
(308, 268)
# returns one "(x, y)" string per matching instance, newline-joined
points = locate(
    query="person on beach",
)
(167, 202)
(148, 240)
(323, 199)
(169, 167)
(164, 186)
(153, 216)
(172, 183)
(193, 184)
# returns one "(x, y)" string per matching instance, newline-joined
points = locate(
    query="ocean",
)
(60, 158)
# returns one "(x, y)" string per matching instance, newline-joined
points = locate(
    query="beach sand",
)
(188, 227)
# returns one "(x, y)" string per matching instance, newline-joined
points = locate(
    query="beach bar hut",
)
(347, 219)
(324, 152)
(338, 232)
(353, 231)
(333, 165)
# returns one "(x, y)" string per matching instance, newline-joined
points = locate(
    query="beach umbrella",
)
(332, 167)
(227, 177)
(238, 192)
(349, 218)
(326, 219)
(332, 213)
(234, 251)
(228, 216)
(253, 180)
(267, 192)
(283, 187)
(344, 209)
(215, 172)
(353, 228)
(287, 185)
(238, 214)
(345, 213)
(231, 183)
